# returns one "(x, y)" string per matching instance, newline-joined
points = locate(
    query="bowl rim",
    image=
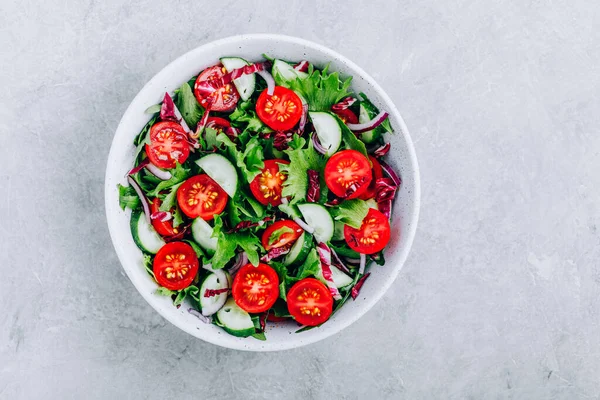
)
(409, 234)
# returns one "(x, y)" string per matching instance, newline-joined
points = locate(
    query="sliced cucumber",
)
(319, 218)
(365, 115)
(283, 73)
(246, 83)
(144, 234)
(234, 320)
(216, 280)
(340, 279)
(202, 234)
(221, 170)
(299, 250)
(338, 230)
(328, 130)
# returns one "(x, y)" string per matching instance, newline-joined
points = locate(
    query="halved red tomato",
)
(280, 111)
(202, 197)
(310, 302)
(224, 98)
(163, 228)
(281, 233)
(255, 289)
(168, 144)
(377, 173)
(347, 169)
(347, 116)
(266, 186)
(372, 236)
(217, 123)
(175, 265)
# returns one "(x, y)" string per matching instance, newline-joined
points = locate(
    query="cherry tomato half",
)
(168, 144)
(175, 265)
(347, 168)
(372, 236)
(281, 111)
(289, 233)
(202, 197)
(377, 173)
(224, 98)
(255, 289)
(266, 186)
(310, 302)
(347, 116)
(163, 228)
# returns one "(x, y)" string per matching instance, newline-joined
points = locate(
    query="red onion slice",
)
(303, 119)
(240, 261)
(363, 263)
(382, 150)
(391, 173)
(302, 66)
(269, 79)
(313, 193)
(344, 104)
(317, 144)
(197, 314)
(142, 196)
(356, 288)
(139, 167)
(162, 216)
(304, 225)
(159, 173)
(370, 125)
(337, 262)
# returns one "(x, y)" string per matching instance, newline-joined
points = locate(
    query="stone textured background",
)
(500, 297)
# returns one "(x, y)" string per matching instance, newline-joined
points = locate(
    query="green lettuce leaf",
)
(350, 139)
(250, 161)
(188, 106)
(178, 175)
(321, 90)
(228, 244)
(128, 197)
(301, 160)
(351, 212)
(372, 110)
(245, 117)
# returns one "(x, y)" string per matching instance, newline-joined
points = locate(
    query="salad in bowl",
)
(261, 196)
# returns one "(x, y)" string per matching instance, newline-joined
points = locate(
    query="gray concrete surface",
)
(500, 297)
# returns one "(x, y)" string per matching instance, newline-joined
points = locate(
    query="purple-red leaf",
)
(314, 188)
(356, 288)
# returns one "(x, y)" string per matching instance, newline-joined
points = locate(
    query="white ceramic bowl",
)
(402, 157)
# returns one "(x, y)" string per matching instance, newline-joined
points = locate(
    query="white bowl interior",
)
(402, 158)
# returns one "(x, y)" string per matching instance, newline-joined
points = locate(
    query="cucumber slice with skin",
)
(319, 218)
(234, 320)
(283, 73)
(245, 84)
(202, 234)
(328, 131)
(221, 170)
(299, 250)
(340, 279)
(216, 280)
(144, 235)
(365, 115)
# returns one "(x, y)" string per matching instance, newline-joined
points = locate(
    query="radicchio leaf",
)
(314, 189)
(281, 140)
(325, 257)
(214, 292)
(275, 252)
(385, 191)
(356, 288)
(343, 104)
(382, 150)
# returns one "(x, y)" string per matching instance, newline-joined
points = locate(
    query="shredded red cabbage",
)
(325, 257)
(385, 191)
(356, 288)
(314, 190)
(169, 111)
(281, 140)
(214, 292)
(275, 252)
(344, 104)
(302, 66)
(382, 150)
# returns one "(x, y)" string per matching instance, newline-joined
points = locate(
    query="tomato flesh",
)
(163, 228)
(266, 186)
(291, 231)
(255, 289)
(168, 145)
(224, 98)
(377, 173)
(347, 116)
(280, 111)
(175, 265)
(202, 197)
(372, 236)
(310, 302)
(347, 170)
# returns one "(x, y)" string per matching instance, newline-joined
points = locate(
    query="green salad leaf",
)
(128, 197)
(301, 160)
(178, 175)
(245, 117)
(321, 89)
(352, 212)
(370, 107)
(228, 244)
(350, 139)
(188, 106)
(250, 161)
